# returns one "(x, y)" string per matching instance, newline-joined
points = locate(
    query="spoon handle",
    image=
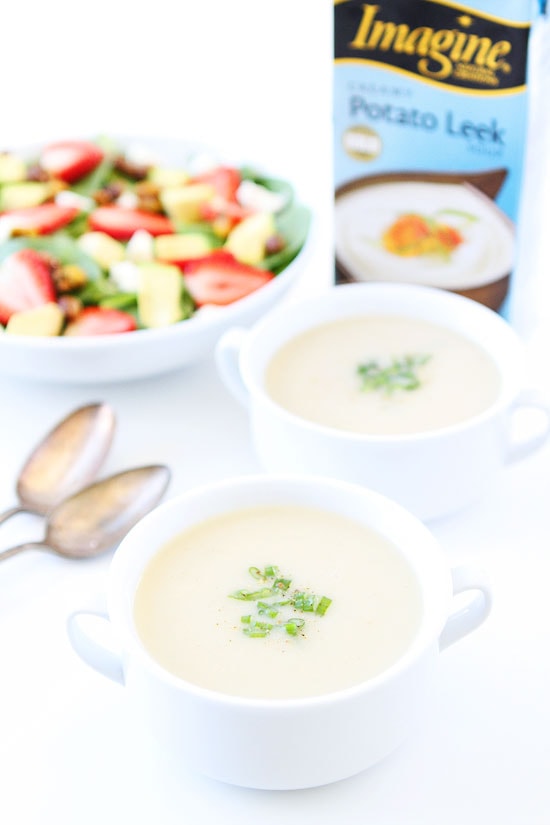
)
(31, 545)
(12, 511)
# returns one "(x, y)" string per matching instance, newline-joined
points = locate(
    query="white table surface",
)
(68, 749)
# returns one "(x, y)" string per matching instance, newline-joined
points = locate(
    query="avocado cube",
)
(248, 239)
(45, 320)
(167, 177)
(179, 248)
(183, 203)
(12, 168)
(159, 294)
(105, 250)
(23, 195)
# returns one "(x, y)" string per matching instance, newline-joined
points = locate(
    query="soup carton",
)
(430, 117)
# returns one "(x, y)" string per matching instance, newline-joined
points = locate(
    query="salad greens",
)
(119, 244)
(278, 603)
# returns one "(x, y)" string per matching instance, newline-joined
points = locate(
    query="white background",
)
(252, 77)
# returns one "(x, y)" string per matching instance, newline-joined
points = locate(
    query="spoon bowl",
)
(99, 516)
(66, 459)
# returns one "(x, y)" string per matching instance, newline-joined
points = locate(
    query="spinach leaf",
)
(282, 187)
(120, 300)
(102, 173)
(95, 292)
(187, 304)
(202, 227)
(60, 246)
(78, 226)
(293, 224)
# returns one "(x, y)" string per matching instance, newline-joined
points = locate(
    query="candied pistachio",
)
(107, 194)
(274, 244)
(56, 186)
(147, 188)
(148, 196)
(135, 171)
(51, 262)
(70, 305)
(36, 173)
(149, 203)
(25, 232)
(69, 277)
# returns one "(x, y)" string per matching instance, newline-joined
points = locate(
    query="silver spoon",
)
(68, 458)
(99, 516)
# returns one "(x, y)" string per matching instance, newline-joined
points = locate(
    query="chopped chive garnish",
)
(293, 626)
(401, 374)
(323, 605)
(251, 596)
(255, 632)
(460, 213)
(258, 630)
(297, 600)
(304, 602)
(265, 609)
(282, 584)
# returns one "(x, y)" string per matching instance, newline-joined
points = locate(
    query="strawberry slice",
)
(101, 321)
(218, 208)
(70, 160)
(220, 279)
(122, 223)
(25, 283)
(225, 180)
(223, 211)
(40, 220)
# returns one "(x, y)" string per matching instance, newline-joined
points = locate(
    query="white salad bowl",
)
(145, 352)
(284, 743)
(432, 473)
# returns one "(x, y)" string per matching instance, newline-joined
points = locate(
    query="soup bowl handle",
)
(103, 659)
(528, 400)
(227, 355)
(472, 612)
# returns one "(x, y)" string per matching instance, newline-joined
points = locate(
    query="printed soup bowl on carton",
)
(280, 632)
(408, 390)
(430, 110)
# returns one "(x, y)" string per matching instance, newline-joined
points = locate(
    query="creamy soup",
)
(382, 375)
(437, 234)
(342, 603)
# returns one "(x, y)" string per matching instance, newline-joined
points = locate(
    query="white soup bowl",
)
(284, 743)
(432, 473)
